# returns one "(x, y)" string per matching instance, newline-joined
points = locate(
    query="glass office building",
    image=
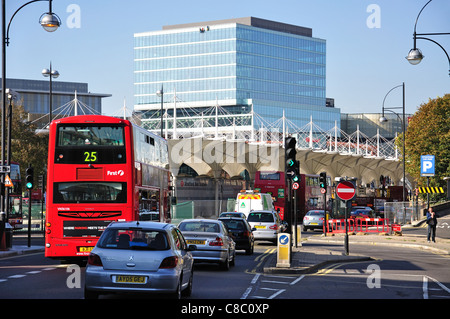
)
(241, 65)
(34, 95)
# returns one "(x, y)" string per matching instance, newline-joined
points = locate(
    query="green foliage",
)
(27, 147)
(428, 133)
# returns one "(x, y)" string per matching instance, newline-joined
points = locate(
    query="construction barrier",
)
(358, 225)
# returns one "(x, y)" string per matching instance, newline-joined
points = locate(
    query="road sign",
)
(8, 181)
(295, 185)
(427, 165)
(323, 190)
(345, 190)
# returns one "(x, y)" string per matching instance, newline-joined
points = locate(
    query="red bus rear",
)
(309, 196)
(100, 169)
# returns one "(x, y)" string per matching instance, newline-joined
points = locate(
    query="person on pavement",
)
(432, 222)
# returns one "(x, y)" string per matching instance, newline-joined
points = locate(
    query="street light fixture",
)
(51, 74)
(415, 56)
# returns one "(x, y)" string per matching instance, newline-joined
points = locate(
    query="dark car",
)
(362, 213)
(241, 233)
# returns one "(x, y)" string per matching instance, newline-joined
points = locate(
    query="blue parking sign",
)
(427, 165)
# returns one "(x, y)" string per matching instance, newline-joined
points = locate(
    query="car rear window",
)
(234, 224)
(200, 227)
(140, 239)
(315, 213)
(260, 217)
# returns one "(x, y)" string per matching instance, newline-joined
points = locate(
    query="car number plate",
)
(85, 249)
(195, 242)
(131, 279)
(314, 224)
(260, 227)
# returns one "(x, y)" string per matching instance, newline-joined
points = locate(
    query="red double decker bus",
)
(101, 169)
(308, 195)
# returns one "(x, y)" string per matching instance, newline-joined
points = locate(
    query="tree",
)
(428, 133)
(27, 147)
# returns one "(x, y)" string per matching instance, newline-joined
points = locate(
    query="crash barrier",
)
(358, 225)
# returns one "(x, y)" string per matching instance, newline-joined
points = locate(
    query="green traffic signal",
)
(29, 178)
(290, 162)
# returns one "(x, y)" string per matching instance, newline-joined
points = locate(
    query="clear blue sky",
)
(363, 63)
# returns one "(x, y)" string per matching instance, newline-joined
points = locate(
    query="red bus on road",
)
(101, 169)
(308, 195)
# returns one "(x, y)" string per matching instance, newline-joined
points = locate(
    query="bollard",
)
(283, 250)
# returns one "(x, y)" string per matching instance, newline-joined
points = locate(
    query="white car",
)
(265, 224)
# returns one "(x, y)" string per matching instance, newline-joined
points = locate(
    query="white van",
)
(249, 200)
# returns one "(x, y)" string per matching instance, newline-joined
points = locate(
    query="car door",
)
(231, 245)
(186, 255)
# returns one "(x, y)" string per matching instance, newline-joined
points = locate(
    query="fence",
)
(182, 211)
(403, 213)
(358, 225)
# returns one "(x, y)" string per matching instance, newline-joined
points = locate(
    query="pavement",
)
(20, 250)
(318, 251)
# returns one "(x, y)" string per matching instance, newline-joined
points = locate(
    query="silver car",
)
(265, 224)
(212, 240)
(313, 220)
(147, 257)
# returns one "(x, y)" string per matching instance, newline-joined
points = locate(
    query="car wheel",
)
(249, 251)
(188, 291)
(225, 265)
(177, 293)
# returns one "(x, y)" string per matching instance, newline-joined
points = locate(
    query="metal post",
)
(162, 111)
(2, 201)
(295, 217)
(346, 228)
(325, 220)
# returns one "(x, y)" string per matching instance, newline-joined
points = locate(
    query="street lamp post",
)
(50, 22)
(50, 73)
(384, 119)
(415, 56)
(160, 93)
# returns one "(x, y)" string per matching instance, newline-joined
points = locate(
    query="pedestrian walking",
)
(432, 222)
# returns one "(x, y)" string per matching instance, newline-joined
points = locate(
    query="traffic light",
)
(292, 166)
(289, 152)
(29, 177)
(323, 181)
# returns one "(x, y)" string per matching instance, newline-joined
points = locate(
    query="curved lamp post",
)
(160, 93)
(415, 56)
(384, 119)
(50, 22)
(52, 74)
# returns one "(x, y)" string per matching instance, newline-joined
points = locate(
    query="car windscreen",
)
(260, 217)
(200, 227)
(138, 239)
